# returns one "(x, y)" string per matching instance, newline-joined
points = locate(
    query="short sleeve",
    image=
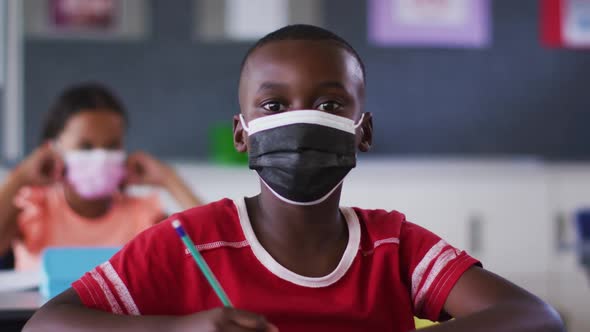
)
(32, 201)
(430, 267)
(136, 280)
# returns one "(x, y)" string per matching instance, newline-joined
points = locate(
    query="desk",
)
(16, 308)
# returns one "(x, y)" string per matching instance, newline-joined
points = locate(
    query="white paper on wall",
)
(576, 22)
(446, 13)
(252, 19)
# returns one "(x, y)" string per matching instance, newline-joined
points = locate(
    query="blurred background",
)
(482, 109)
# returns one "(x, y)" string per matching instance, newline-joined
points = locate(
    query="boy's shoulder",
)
(380, 218)
(222, 207)
(210, 223)
(216, 221)
(380, 225)
(380, 215)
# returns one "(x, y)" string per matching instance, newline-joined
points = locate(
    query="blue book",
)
(60, 266)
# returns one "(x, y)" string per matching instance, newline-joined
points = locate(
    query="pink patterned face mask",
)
(95, 173)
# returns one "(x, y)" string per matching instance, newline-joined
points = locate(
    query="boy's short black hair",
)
(304, 32)
(77, 98)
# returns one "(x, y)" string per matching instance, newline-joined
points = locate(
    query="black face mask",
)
(302, 156)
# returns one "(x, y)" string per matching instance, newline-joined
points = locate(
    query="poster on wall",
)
(269, 15)
(565, 23)
(86, 19)
(436, 23)
(83, 14)
(249, 20)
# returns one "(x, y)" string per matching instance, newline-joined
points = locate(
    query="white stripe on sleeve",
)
(120, 288)
(421, 268)
(115, 307)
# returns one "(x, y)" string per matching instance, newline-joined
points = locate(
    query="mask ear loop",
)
(356, 125)
(244, 124)
(359, 123)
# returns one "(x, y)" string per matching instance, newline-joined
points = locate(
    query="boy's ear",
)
(240, 139)
(366, 133)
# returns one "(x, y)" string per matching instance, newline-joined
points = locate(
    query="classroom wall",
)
(514, 98)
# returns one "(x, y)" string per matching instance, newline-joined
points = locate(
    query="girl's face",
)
(92, 129)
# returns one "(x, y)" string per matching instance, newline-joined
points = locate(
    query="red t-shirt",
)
(391, 270)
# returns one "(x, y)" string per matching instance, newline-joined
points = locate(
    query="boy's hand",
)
(42, 167)
(142, 168)
(224, 320)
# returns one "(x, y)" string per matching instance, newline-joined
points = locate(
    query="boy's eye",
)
(330, 106)
(274, 106)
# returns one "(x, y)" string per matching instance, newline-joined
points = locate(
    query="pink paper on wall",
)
(83, 14)
(439, 23)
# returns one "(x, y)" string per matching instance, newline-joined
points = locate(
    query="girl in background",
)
(69, 191)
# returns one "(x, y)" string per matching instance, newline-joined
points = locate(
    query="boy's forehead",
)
(307, 59)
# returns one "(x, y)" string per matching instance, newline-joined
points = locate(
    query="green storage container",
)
(221, 146)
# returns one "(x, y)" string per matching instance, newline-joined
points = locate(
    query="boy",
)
(292, 254)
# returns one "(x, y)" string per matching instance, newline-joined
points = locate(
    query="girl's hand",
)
(142, 168)
(145, 169)
(43, 166)
(224, 320)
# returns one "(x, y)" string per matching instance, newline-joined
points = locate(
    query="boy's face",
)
(291, 75)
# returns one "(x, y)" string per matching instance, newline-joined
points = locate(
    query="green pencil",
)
(201, 263)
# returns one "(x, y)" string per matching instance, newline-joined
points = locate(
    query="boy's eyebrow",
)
(332, 84)
(271, 86)
(276, 85)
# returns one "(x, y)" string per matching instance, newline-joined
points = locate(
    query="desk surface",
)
(19, 305)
